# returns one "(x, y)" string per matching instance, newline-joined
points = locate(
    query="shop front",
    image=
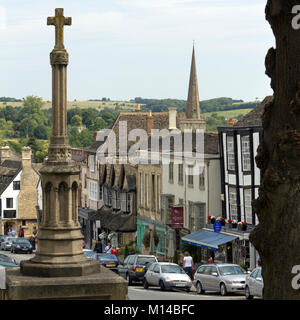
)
(227, 246)
(143, 225)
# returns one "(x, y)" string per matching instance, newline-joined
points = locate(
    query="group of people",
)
(12, 233)
(107, 249)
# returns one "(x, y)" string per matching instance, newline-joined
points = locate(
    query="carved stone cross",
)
(59, 21)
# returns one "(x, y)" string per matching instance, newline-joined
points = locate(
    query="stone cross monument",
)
(59, 269)
(59, 250)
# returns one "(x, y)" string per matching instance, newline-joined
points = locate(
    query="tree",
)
(76, 121)
(41, 132)
(278, 206)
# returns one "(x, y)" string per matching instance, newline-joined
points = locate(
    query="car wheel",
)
(161, 285)
(247, 293)
(129, 280)
(199, 288)
(146, 284)
(223, 290)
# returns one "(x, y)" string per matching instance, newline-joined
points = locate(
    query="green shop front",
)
(143, 225)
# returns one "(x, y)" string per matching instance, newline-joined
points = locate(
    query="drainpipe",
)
(208, 213)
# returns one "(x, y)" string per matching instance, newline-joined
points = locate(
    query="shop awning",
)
(208, 239)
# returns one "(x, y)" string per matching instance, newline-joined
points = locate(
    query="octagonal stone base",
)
(104, 285)
(31, 268)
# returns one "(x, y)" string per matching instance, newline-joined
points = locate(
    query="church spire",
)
(193, 105)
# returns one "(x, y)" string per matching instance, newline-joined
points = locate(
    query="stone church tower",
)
(192, 118)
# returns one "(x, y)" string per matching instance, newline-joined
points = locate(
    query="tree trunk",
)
(277, 237)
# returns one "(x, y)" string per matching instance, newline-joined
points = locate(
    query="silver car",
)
(221, 278)
(167, 276)
(254, 284)
(6, 242)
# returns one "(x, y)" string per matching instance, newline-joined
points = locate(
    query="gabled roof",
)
(254, 117)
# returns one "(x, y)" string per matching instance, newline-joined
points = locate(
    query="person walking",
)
(114, 250)
(108, 248)
(188, 264)
(21, 232)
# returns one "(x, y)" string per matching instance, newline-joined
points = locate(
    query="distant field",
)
(99, 105)
(230, 113)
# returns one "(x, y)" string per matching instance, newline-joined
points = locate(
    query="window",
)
(147, 191)
(109, 196)
(105, 196)
(141, 190)
(190, 176)
(118, 205)
(153, 202)
(100, 192)
(16, 185)
(94, 191)
(233, 203)
(180, 173)
(246, 153)
(85, 183)
(171, 172)
(9, 203)
(248, 206)
(202, 179)
(125, 199)
(114, 199)
(92, 163)
(128, 205)
(158, 192)
(230, 153)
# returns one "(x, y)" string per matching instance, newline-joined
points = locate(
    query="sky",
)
(124, 49)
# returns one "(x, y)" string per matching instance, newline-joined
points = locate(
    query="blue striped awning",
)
(208, 239)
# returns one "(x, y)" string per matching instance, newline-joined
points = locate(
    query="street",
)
(137, 291)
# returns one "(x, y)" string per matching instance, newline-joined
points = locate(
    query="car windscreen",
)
(171, 269)
(106, 257)
(89, 254)
(22, 241)
(145, 260)
(231, 270)
(9, 239)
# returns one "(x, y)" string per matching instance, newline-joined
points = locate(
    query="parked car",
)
(21, 245)
(135, 267)
(8, 262)
(6, 242)
(108, 260)
(254, 284)
(167, 276)
(221, 278)
(90, 254)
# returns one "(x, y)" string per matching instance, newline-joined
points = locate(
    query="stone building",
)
(19, 192)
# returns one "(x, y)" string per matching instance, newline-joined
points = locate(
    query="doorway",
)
(229, 252)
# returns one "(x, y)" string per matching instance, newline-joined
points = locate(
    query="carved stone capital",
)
(59, 57)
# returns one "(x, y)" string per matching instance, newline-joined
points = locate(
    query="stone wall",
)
(28, 198)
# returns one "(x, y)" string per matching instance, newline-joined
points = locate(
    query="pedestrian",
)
(13, 233)
(9, 233)
(21, 232)
(210, 260)
(98, 247)
(108, 248)
(114, 250)
(32, 242)
(188, 264)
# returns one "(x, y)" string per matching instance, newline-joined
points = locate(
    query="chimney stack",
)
(150, 122)
(230, 122)
(5, 154)
(26, 157)
(172, 118)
